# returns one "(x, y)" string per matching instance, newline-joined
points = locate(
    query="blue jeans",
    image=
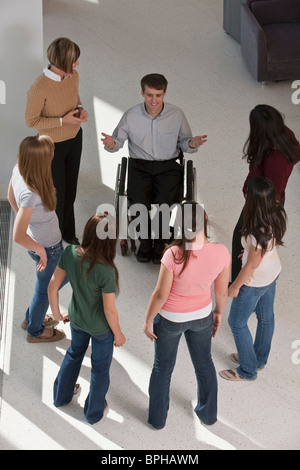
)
(39, 304)
(253, 356)
(198, 334)
(101, 357)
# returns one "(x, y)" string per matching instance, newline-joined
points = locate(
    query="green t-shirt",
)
(86, 306)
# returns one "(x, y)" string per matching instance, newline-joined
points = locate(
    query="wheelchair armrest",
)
(180, 156)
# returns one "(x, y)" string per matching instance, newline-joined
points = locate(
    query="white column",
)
(21, 60)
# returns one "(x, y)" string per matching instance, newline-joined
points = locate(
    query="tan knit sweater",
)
(48, 101)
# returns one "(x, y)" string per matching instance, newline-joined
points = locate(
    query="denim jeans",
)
(101, 357)
(39, 304)
(253, 356)
(198, 334)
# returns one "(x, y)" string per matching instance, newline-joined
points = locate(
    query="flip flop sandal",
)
(232, 375)
(234, 357)
(106, 409)
(76, 389)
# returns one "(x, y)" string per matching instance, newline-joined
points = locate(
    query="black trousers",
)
(65, 170)
(154, 182)
(237, 248)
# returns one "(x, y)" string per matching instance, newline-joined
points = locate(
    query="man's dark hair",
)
(154, 80)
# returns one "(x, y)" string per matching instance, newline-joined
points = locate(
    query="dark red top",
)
(276, 168)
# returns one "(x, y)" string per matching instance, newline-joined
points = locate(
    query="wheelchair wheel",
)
(190, 181)
(120, 183)
(120, 191)
(122, 176)
(124, 247)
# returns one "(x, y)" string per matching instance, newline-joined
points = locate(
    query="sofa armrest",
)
(253, 43)
(276, 11)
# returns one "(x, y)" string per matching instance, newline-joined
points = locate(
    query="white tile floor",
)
(120, 42)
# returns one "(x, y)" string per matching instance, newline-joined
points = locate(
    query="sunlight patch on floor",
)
(106, 119)
(137, 370)
(203, 434)
(21, 433)
(7, 333)
(73, 412)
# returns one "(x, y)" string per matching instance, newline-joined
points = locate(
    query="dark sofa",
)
(270, 39)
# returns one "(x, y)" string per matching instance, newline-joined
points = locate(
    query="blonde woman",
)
(54, 108)
(31, 194)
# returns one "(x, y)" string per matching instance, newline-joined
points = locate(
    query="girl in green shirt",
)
(92, 312)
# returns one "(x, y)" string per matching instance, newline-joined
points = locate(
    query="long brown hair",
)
(34, 163)
(96, 248)
(263, 215)
(268, 132)
(192, 219)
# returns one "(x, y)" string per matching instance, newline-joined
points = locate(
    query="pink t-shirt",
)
(191, 290)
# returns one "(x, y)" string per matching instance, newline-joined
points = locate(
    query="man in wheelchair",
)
(156, 132)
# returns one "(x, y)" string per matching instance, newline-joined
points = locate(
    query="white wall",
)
(21, 61)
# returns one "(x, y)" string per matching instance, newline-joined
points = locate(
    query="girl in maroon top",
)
(271, 150)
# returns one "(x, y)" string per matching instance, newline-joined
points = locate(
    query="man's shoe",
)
(158, 250)
(72, 241)
(144, 253)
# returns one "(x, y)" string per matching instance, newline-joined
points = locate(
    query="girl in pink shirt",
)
(183, 298)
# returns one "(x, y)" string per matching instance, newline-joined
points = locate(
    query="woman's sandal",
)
(234, 357)
(57, 335)
(76, 389)
(233, 376)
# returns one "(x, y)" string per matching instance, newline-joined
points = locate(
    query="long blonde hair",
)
(34, 162)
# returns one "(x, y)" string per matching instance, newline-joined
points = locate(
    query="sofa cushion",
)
(276, 11)
(283, 45)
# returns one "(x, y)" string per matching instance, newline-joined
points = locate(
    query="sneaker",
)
(72, 241)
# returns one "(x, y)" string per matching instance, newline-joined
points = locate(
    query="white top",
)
(54, 76)
(269, 267)
(177, 317)
(43, 225)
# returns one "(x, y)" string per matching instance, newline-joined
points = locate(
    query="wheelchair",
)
(188, 192)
